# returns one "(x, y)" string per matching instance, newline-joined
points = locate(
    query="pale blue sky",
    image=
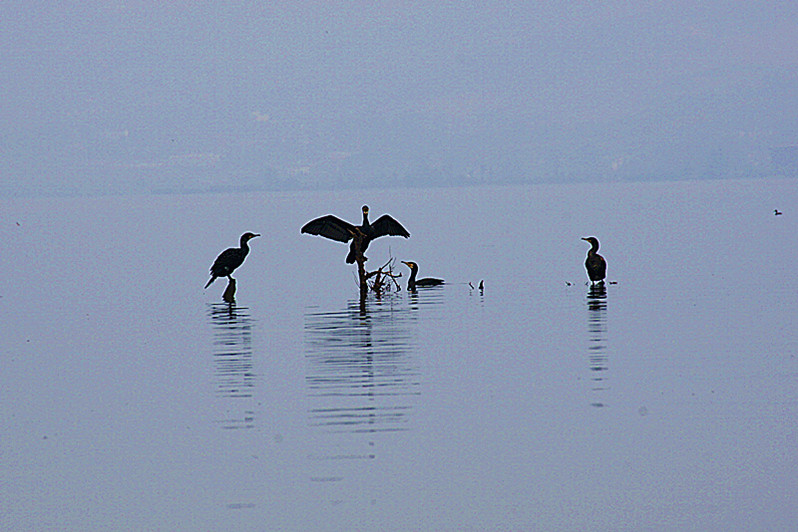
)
(102, 97)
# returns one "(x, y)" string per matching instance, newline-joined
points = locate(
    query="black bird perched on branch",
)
(230, 259)
(412, 283)
(594, 263)
(334, 228)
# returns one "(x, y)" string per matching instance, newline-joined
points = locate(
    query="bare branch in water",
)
(384, 277)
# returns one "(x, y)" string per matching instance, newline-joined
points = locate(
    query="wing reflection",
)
(597, 329)
(360, 372)
(232, 355)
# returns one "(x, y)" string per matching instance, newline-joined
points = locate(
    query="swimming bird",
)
(230, 259)
(412, 283)
(594, 263)
(776, 212)
(334, 228)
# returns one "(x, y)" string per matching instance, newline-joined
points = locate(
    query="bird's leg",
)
(229, 295)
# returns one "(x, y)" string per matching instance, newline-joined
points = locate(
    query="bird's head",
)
(365, 209)
(592, 240)
(246, 237)
(411, 265)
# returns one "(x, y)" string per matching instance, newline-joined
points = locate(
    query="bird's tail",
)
(211, 280)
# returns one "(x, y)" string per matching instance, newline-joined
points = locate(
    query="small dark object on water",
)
(482, 285)
(567, 283)
(470, 285)
(334, 228)
(412, 283)
(595, 264)
(777, 212)
(230, 259)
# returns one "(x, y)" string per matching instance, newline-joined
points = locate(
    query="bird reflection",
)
(232, 353)
(360, 375)
(597, 329)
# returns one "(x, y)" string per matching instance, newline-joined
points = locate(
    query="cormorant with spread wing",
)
(595, 264)
(334, 228)
(412, 283)
(230, 259)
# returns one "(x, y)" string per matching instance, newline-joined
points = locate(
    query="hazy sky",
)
(136, 97)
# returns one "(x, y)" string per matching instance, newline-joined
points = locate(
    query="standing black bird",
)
(594, 263)
(230, 259)
(334, 228)
(412, 283)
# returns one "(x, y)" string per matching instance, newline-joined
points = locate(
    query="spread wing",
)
(330, 227)
(386, 225)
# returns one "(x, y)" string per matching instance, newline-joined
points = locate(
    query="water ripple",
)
(361, 374)
(597, 342)
(233, 360)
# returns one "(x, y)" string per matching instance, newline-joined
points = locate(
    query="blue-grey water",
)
(133, 399)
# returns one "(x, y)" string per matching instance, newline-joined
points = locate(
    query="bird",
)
(334, 228)
(230, 259)
(412, 283)
(776, 212)
(594, 263)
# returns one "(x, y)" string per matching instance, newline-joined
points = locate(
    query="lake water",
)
(134, 399)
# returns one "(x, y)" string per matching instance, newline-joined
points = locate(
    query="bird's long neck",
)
(244, 246)
(413, 273)
(365, 219)
(593, 248)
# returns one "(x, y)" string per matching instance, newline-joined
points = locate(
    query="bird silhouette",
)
(412, 283)
(334, 228)
(230, 259)
(595, 264)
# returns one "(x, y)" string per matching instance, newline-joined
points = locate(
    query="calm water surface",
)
(133, 399)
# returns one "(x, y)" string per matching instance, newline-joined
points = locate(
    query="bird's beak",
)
(254, 235)
(406, 263)
(585, 239)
